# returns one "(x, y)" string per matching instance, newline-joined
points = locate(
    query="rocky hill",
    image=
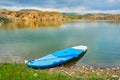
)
(26, 10)
(32, 15)
(99, 16)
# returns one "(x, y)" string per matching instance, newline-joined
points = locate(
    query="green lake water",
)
(29, 40)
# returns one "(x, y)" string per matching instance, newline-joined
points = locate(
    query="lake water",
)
(29, 40)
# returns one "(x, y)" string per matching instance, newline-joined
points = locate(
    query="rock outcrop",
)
(32, 15)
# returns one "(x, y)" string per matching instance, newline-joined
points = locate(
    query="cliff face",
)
(32, 15)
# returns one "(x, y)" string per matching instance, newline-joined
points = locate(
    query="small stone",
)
(113, 68)
(107, 69)
(81, 71)
(118, 68)
(70, 74)
(101, 70)
(35, 75)
(118, 78)
(98, 73)
(50, 70)
(93, 71)
(107, 73)
(66, 72)
(91, 67)
(114, 76)
(83, 67)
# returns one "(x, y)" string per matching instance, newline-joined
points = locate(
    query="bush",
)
(4, 20)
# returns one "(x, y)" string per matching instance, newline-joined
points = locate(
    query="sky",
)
(69, 6)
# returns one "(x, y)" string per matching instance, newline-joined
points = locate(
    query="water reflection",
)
(34, 24)
(111, 22)
(94, 22)
(101, 37)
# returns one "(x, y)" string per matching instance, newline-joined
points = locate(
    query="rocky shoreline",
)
(85, 71)
(21, 71)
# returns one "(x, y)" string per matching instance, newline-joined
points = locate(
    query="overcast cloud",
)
(74, 6)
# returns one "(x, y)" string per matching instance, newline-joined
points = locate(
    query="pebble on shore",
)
(0, 24)
(83, 71)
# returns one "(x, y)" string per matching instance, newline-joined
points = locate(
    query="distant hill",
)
(70, 14)
(101, 16)
(26, 10)
(97, 16)
(33, 14)
(73, 15)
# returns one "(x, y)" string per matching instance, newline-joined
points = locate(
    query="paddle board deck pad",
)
(57, 58)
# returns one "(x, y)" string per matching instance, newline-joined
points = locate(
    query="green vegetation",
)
(4, 20)
(21, 72)
(73, 15)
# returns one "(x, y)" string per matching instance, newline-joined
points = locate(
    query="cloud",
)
(79, 9)
(113, 1)
(74, 6)
(7, 3)
(101, 11)
(110, 1)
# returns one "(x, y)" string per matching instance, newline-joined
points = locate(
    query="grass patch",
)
(14, 71)
(21, 72)
(4, 20)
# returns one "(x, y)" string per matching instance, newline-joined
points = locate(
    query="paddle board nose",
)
(81, 47)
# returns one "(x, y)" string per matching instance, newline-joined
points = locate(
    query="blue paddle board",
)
(57, 58)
